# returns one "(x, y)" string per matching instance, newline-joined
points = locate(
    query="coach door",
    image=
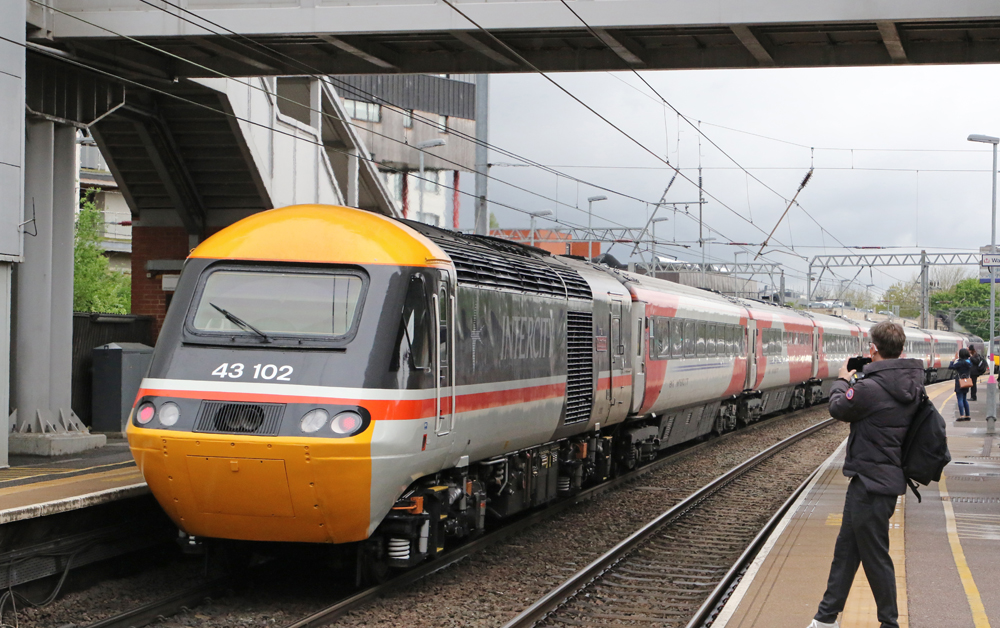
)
(815, 352)
(444, 314)
(640, 327)
(616, 351)
(751, 346)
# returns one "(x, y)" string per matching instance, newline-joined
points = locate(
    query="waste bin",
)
(118, 370)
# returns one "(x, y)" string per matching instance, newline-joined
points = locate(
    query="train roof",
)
(324, 234)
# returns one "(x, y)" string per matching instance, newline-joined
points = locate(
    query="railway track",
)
(193, 596)
(674, 571)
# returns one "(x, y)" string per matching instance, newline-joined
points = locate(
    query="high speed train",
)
(331, 375)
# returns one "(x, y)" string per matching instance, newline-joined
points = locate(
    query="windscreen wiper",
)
(239, 322)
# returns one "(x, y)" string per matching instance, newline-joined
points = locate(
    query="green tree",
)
(906, 295)
(968, 293)
(494, 223)
(96, 288)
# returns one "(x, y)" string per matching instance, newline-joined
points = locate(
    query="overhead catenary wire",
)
(332, 116)
(315, 73)
(225, 76)
(449, 187)
(270, 50)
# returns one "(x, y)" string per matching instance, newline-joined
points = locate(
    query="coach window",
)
(699, 348)
(689, 339)
(664, 328)
(676, 338)
(710, 339)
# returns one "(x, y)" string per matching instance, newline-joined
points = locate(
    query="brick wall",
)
(150, 243)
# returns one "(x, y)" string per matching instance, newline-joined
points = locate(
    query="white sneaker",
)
(819, 624)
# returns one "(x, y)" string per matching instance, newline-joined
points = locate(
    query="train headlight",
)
(145, 413)
(169, 413)
(314, 420)
(347, 423)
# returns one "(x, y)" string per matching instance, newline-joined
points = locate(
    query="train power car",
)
(330, 375)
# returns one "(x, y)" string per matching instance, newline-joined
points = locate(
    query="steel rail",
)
(192, 596)
(709, 610)
(165, 607)
(583, 578)
(324, 616)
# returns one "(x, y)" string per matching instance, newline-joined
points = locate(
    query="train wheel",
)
(372, 563)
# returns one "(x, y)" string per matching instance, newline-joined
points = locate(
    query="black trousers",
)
(863, 539)
(975, 389)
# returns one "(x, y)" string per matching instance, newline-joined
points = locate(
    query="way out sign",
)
(991, 260)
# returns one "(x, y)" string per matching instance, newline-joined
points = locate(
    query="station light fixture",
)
(590, 221)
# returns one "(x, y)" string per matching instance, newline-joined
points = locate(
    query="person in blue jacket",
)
(962, 368)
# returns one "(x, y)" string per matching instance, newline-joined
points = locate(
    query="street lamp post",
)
(421, 146)
(590, 222)
(991, 388)
(544, 212)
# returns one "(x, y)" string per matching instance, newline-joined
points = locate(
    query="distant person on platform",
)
(963, 369)
(879, 406)
(979, 367)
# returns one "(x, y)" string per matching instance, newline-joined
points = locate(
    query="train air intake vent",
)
(580, 366)
(494, 263)
(223, 417)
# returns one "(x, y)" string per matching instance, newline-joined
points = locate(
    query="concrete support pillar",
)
(482, 155)
(43, 422)
(34, 282)
(65, 199)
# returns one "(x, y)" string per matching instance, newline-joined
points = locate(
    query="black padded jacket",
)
(879, 408)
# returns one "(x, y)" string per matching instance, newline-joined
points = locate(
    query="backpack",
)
(925, 448)
(980, 363)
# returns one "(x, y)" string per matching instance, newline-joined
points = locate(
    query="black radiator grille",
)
(576, 286)
(485, 268)
(580, 366)
(495, 263)
(226, 417)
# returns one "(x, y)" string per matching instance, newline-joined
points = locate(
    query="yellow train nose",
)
(256, 488)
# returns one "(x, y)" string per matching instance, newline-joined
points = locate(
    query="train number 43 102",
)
(260, 371)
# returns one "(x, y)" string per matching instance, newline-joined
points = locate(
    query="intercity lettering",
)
(526, 337)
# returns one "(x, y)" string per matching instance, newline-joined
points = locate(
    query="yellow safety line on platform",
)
(979, 618)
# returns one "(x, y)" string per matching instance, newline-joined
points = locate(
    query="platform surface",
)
(945, 549)
(34, 486)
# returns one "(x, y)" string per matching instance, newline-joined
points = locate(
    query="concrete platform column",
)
(43, 422)
(64, 202)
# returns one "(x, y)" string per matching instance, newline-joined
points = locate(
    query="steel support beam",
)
(169, 164)
(482, 48)
(893, 43)
(617, 44)
(753, 45)
(381, 58)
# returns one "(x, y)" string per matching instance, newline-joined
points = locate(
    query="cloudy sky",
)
(892, 164)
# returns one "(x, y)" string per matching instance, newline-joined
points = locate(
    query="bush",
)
(96, 288)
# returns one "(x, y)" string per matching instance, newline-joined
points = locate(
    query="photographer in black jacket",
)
(879, 407)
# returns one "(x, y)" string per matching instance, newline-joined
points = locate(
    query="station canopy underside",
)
(564, 49)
